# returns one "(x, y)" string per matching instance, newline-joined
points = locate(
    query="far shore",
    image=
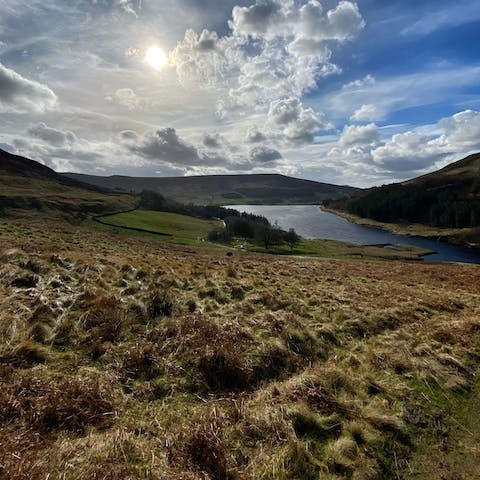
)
(466, 237)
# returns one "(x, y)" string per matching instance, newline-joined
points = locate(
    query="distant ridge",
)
(225, 189)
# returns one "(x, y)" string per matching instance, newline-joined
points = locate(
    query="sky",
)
(360, 93)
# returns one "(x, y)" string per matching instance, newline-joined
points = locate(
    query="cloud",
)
(293, 123)
(365, 113)
(411, 153)
(413, 150)
(51, 135)
(127, 98)
(413, 90)
(359, 135)
(129, 6)
(447, 16)
(264, 155)
(211, 141)
(254, 135)
(21, 95)
(165, 145)
(275, 50)
(308, 25)
(462, 130)
(259, 19)
(408, 152)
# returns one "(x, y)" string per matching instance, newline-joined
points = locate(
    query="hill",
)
(28, 184)
(447, 198)
(225, 189)
(123, 357)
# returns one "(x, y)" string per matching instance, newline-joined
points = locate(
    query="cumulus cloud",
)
(21, 95)
(59, 149)
(276, 49)
(359, 135)
(368, 80)
(51, 135)
(254, 135)
(261, 18)
(263, 155)
(365, 113)
(205, 59)
(307, 24)
(296, 124)
(165, 145)
(408, 151)
(412, 152)
(462, 130)
(212, 141)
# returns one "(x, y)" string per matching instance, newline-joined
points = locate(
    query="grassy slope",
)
(24, 192)
(27, 184)
(183, 229)
(227, 189)
(123, 357)
(186, 230)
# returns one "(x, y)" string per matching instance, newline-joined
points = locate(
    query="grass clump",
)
(52, 403)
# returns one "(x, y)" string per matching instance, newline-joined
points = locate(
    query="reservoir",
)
(311, 222)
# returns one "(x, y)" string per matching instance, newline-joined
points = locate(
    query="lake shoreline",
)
(316, 222)
(451, 236)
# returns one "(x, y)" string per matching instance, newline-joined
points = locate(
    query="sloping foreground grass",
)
(123, 357)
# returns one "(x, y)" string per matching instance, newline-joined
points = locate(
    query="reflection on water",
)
(311, 222)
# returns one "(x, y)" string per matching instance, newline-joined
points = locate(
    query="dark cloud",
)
(52, 135)
(128, 135)
(264, 154)
(212, 141)
(165, 145)
(21, 95)
(255, 136)
(207, 41)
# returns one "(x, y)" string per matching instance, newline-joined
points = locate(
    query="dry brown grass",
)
(126, 358)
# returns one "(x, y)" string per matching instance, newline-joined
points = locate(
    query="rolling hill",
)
(447, 198)
(25, 183)
(225, 189)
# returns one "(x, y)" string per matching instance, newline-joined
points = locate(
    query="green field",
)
(335, 249)
(176, 228)
(186, 230)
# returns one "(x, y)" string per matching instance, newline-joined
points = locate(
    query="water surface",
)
(311, 222)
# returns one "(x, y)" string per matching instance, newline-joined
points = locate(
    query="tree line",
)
(399, 203)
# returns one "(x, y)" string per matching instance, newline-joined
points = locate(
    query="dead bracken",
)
(133, 359)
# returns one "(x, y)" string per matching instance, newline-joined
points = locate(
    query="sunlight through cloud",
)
(156, 58)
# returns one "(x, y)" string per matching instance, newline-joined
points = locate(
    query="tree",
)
(265, 235)
(292, 238)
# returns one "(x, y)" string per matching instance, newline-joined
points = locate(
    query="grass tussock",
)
(122, 358)
(50, 404)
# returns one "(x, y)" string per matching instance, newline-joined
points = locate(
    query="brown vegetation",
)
(128, 358)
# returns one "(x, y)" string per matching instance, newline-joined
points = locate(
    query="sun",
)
(156, 57)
